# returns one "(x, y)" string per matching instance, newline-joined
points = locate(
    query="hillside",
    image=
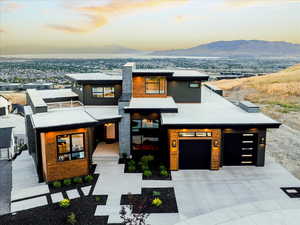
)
(278, 95)
(240, 48)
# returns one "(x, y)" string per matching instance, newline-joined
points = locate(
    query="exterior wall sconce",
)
(108, 124)
(262, 140)
(216, 143)
(174, 144)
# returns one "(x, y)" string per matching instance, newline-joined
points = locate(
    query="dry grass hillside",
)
(15, 97)
(277, 93)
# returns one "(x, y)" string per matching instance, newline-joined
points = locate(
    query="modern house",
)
(7, 143)
(5, 106)
(167, 113)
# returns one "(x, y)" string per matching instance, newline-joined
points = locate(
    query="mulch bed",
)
(292, 192)
(143, 202)
(155, 173)
(84, 209)
(156, 176)
(73, 185)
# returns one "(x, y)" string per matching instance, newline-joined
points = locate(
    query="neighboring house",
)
(5, 106)
(167, 113)
(7, 143)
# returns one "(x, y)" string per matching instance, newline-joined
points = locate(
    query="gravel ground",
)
(5, 186)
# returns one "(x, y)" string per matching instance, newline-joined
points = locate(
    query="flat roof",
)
(214, 110)
(56, 93)
(61, 118)
(103, 112)
(162, 104)
(36, 98)
(75, 116)
(94, 77)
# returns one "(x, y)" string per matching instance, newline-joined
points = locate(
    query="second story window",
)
(103, 92)
(155, 85)
(195, 84)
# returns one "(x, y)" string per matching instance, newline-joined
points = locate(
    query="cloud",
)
(246, 3)
(9, 6)
(100, 15)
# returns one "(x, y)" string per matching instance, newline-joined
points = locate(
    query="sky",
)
(42, 26)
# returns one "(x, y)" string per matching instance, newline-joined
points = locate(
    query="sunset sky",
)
(35, 26)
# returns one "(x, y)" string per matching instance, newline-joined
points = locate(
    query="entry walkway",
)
(106, 151)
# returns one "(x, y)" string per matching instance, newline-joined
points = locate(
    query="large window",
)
(195, 84)
(70, 147)
(103, 92)
(155, 85)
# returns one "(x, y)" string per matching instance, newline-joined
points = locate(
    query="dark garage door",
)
(194, 154)
(239, 149)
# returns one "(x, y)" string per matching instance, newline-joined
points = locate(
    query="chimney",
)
(127, 81)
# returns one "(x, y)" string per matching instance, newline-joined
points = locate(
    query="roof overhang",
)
(163, 105)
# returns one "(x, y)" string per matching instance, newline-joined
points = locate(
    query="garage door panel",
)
(194, 154)
(239, 149)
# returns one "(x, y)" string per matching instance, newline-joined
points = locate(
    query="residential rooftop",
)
(214, 110)
(94, 77)
(75, 116)
(163, 104)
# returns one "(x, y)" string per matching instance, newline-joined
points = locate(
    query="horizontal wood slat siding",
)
(55, 170)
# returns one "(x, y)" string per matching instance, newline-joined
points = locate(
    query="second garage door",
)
(194, 154)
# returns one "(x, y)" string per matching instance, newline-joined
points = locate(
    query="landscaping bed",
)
(143, 203)
(73, 185)
(83, 209)
(148, 166)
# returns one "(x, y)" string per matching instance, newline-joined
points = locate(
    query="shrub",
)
(156, 193)
(56, 184)
(164, 173)
(97, 198)
(147, 173)
(157, 202)
(67, 182)
(162, 167)
(131, 169)
(144, 167)
(65, 203)
(72, 218)
(147, 158)
(77, 180)
(88, 178)
(131, 163)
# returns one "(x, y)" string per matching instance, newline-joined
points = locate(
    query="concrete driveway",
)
(203, 191)
(5, 186)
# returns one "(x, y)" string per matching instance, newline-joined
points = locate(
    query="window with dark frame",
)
(103, 92)
(195, 84)
(154, 85)
(70, 147)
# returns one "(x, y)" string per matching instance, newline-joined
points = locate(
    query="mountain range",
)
(238, 48)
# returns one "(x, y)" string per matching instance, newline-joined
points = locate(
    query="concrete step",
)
(106, 158)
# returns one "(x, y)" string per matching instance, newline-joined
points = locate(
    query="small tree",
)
(134, 218)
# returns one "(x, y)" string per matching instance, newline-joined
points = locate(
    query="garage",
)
(194, 154)
(239, 149)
